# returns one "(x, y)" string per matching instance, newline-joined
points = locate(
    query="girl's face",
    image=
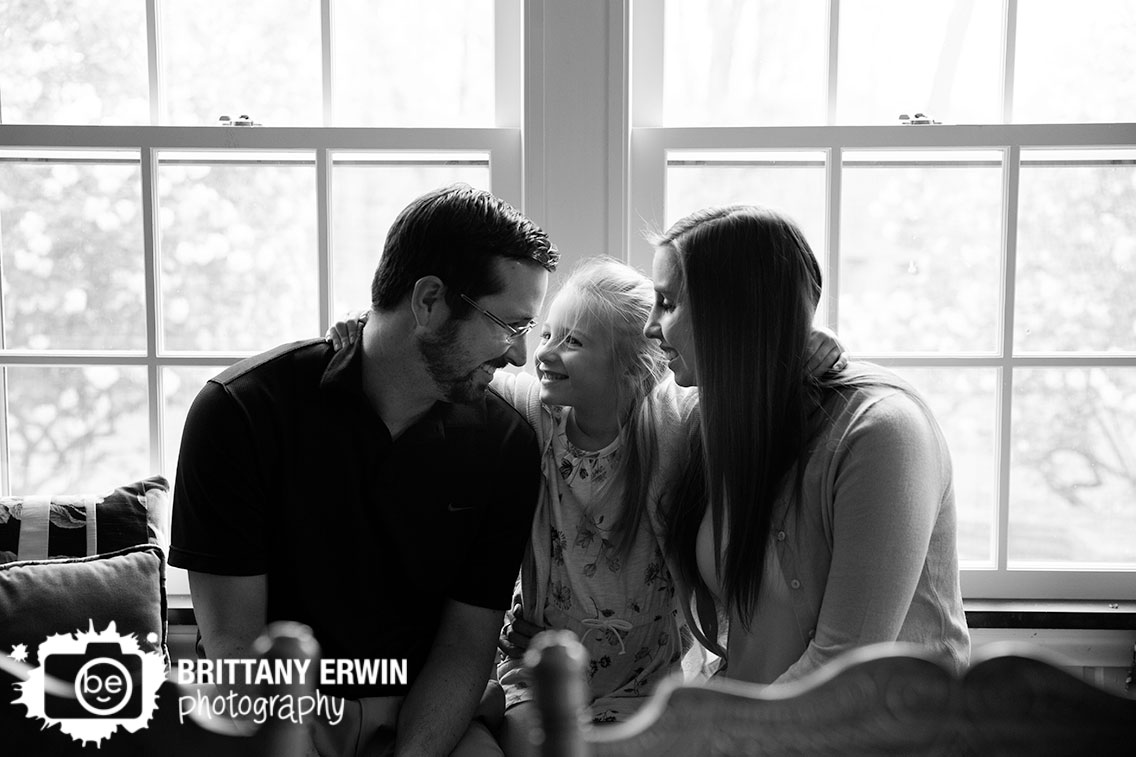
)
(669, 322)
(574, 359)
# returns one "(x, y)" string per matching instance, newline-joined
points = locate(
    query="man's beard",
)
(443, 359)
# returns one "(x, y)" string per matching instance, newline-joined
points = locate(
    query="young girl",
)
(613, 429)
(610, 428)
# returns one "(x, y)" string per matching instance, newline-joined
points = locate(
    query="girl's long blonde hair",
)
(617, 300)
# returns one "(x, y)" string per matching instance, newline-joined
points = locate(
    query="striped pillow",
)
(43, 527)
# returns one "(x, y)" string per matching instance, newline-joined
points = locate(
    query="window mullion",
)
(1009, 48)
(647, 59)
(1011, 175)
(323, 236)
(833, 59)
(618, 129)
(149, 165)
(5, 462)
(507, 63)
(834, 177)
(153, 60)
(326, 42)
(5, 457)
(646, 179)
(648, 191)
(508, 168)
(3, 325)
(533, 176)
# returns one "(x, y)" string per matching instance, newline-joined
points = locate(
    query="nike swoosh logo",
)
(455, 509)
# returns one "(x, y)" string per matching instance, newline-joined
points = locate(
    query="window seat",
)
(980, 613)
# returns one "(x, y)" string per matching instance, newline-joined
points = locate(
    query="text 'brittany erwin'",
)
(332, 672)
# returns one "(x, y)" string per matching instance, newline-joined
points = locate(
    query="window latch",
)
(242, 120)
(920, 119)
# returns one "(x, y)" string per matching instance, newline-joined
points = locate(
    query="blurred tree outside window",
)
(1040, 416)
(1029, 361)
(97, 370)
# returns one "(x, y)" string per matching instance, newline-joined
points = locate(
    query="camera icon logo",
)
(92, 683)
(106, 682)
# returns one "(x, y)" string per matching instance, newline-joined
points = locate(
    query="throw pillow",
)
(41, 527)
(39, 598)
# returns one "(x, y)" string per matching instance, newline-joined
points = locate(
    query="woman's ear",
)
(428, 302)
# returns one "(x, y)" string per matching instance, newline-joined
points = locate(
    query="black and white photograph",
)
(567, 378)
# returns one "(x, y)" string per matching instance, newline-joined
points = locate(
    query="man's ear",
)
(428, 302)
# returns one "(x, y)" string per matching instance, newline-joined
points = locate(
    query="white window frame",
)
(591, 170)
(650, 143)
(501, 142)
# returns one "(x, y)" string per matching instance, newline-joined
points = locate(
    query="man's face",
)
(462, 355)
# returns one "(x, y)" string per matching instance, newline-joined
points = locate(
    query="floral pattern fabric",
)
(619, 604)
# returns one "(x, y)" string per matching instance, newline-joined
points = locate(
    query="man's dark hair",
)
(455, 233)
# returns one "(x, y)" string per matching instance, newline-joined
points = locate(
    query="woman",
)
(818, 514)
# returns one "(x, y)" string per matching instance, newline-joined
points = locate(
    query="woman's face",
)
(669, 322)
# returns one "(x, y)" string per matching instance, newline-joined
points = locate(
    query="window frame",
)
(591, 171)
(502, 143)
(650, 142)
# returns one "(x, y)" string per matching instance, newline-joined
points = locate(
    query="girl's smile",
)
(576, 365)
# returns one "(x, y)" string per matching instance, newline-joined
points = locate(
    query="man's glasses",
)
(513, 333)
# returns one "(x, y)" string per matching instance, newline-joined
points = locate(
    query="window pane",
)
(940, 58)
(734, 62)
(259, 58)
(964, 401)
(790, 182)
(1076, 253)
(920, 254)
(1073, 62)
(238, 253)
(77, 430)
(426, 63)
(180, 386)
(74, 62)
(368, 194)
(71, 237)
(1073, 470)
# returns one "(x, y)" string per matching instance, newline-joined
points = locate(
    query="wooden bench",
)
(882, 699)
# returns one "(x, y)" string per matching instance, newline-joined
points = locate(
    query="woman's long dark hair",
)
(751, 284)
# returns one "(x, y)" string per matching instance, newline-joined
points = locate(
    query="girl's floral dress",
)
(621, 606)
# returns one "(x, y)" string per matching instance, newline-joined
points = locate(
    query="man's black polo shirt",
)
(286, 470)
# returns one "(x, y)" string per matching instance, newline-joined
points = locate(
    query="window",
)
(989, 258)
(144, 246)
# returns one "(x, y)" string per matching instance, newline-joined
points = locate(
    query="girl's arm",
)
(825, 353)
(517, 634)
(345, 332)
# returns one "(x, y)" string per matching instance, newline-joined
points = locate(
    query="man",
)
(381, 494)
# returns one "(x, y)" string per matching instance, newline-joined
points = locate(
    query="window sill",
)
(1033, 613)
(980, 613)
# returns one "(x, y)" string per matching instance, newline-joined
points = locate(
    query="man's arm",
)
(230, 611)
(218, 535)
(440, 705)
(217, 532)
